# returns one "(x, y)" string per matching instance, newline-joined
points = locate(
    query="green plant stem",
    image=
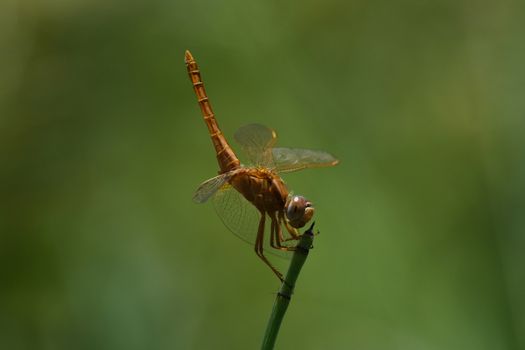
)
(284, 295)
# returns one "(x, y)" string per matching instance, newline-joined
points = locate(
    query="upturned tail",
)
(225, 156)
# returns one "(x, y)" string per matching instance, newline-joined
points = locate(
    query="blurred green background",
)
(102, 146)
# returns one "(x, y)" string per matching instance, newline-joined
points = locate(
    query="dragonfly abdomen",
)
(226, 158)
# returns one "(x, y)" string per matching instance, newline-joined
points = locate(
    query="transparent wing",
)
(209, 187)
(242, 218)
(293, 159)
(256, 141)
(237, 214)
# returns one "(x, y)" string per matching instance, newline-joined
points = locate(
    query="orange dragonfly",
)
(238, 190)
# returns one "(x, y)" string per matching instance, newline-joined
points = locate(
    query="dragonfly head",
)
(299, 211)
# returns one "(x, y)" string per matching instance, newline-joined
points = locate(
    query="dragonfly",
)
(245, 197)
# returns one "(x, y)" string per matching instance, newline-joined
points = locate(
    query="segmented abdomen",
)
(225, 156)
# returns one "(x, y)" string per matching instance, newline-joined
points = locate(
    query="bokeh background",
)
(102, 146)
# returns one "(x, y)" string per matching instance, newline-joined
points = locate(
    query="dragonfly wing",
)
(209, 187)
(237, 214)
(257, 141)
(293, 159)
(242, 218)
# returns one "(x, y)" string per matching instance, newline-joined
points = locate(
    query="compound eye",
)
(299, 211)
(295, 208)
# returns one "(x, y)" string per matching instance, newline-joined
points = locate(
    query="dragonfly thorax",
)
(262, 187)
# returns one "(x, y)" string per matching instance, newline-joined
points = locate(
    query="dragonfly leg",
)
(272, 236)
(276, 235)
(294, 234)
(259, 246)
